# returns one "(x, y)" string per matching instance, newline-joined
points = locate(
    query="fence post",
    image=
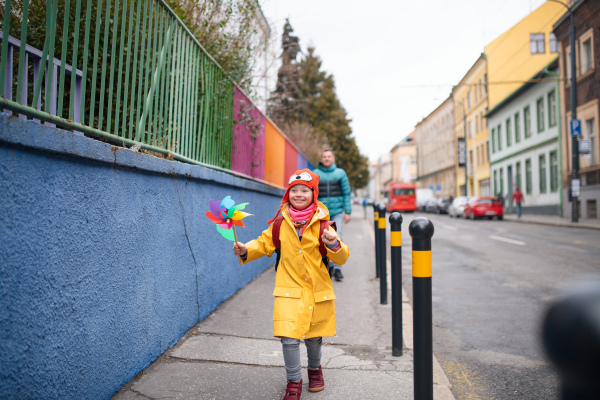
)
(421, 231)
(382, 257)
(396, 242)
(571, 336)
(376, 220)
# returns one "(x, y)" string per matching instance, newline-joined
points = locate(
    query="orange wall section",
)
(274, 155)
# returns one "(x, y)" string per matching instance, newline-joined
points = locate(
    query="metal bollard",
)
(376, 214)
(382, 257)
(396, 242)
(421, 231)
(571, 336)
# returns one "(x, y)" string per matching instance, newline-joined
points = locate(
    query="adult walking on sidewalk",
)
(517, 197)
(304, 298)
(334, 187)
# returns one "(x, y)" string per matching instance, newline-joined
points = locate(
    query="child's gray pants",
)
(291, 356)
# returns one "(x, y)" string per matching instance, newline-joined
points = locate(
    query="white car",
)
(457, 208)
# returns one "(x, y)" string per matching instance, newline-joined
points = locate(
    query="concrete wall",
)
(106, 259)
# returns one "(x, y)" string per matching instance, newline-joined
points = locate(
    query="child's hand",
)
(329, 237)
(239, 249)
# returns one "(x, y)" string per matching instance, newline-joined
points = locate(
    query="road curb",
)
(550, 223)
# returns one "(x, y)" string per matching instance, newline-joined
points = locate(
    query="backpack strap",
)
(275, 238)
(275, 231)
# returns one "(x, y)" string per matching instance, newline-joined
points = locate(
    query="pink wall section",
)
(247, 153)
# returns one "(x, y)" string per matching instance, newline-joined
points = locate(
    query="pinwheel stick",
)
(235, 236)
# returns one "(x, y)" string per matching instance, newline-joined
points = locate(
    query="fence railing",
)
(142, 77)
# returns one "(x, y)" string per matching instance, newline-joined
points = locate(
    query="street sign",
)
(585, 147)
(575, 127)
(575, 188)
(462, 152)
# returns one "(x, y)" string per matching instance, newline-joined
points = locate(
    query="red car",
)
(484, 207)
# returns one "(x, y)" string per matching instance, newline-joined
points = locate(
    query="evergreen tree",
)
(306, 104)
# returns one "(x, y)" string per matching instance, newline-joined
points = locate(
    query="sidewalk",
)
(232, 354)
(554, 220)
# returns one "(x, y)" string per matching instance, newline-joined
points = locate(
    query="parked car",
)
(430, 205)
(484, 207)
(457, 208)
(442, 206)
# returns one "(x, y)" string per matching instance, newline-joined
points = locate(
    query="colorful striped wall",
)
(260, 149)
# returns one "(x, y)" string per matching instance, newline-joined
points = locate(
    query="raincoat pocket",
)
(324, 307)
(286, 303)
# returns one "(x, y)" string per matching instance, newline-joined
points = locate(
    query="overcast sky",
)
(394, 62)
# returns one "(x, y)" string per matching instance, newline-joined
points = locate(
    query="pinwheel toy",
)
(226, 215)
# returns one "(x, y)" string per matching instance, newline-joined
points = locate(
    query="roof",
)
(529, 83)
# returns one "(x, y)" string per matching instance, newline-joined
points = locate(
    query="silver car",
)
(457, 208)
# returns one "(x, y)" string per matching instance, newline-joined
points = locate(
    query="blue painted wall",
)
(106, 259)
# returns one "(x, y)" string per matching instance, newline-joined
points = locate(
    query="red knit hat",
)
(301, 177)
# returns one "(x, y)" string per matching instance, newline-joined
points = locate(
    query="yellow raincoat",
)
(304, 298)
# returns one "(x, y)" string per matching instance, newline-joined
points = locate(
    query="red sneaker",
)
(293, 391)
(316, 383)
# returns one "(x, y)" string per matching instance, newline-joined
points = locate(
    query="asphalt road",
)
(492, 282)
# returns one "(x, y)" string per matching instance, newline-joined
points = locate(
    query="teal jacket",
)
(334, 189)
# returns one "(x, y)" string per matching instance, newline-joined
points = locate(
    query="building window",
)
(553, 44)
(485, 83)
(568, 66)
(537, 43)
(508, 133)
(470, 129)
(542, 167)
(517, 128)
(553, 171)
(586, 56)
(528, 184)
(540, 115)
(413, 160)
(501, 173)
(469, 104)
(487, 151)
(518, 172)
(591, 135)
(552, 109)
(493, 140)
(499, 129)
(527, 124)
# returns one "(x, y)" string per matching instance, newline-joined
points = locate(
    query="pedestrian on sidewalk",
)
(304, 298)
(517, 197)
(364, 203)
(334, 187)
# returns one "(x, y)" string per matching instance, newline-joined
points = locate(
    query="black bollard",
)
(382, 256)
(421, 231)
(571, 336)
(396, 242)
(376, 214)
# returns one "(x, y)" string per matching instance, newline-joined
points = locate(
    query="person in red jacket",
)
(517, 197)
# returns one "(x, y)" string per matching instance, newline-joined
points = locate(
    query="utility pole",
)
(466, 151)
(574, 138)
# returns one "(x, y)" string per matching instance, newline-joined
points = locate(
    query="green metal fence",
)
(126, 71)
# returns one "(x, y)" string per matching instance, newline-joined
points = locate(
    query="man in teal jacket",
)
(334, 192)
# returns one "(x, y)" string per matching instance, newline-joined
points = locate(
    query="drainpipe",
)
(560, 186)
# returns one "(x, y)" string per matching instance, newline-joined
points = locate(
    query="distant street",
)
(492, 281)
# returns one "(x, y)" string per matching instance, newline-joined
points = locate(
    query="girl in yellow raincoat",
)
(304, 298)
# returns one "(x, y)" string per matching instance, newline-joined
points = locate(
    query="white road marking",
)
(517, 242)
(452, 228)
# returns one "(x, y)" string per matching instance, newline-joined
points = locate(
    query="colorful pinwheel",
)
(226, 215)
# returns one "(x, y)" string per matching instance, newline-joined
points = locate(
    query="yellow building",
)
(470, 105)
(522, 51)
(404, 160)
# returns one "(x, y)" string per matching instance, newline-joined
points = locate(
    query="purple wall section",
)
(248, 152)
(302, 161)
